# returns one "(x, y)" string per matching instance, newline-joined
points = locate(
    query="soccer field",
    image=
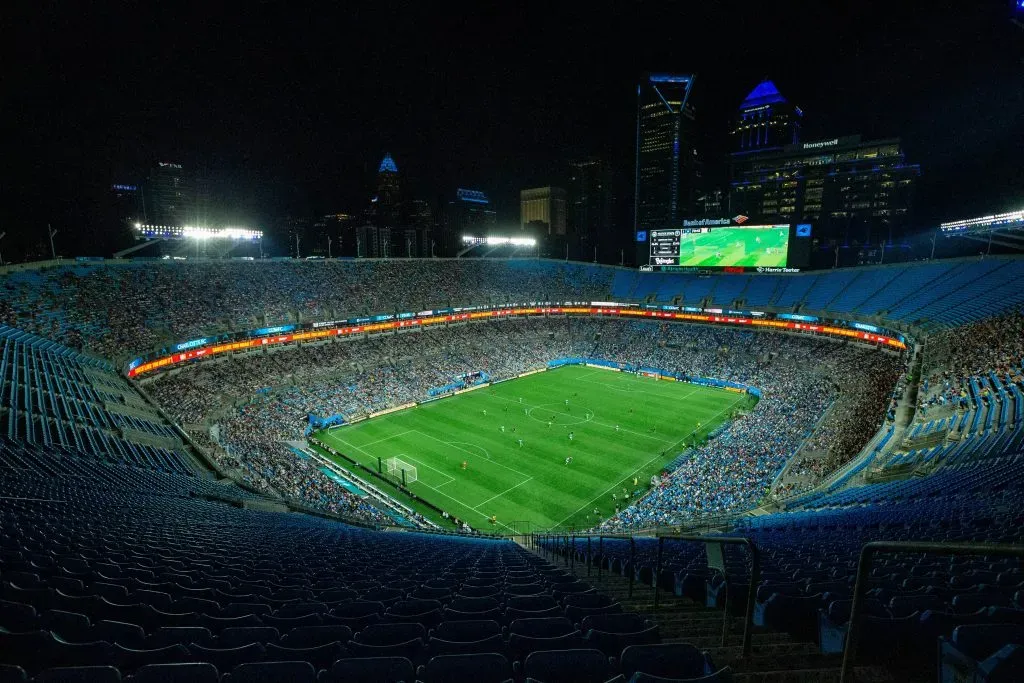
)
(735, 247)
(532, 482)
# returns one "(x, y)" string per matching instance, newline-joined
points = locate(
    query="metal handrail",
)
(755, 577)
(864, 565)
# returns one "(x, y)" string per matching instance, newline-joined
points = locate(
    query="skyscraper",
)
(470, 213)
(388, 203)
(852, 191)
(127, 204)
(590, 199)
(666, 163)
(170, 196)
(766, 120)
(543, 206)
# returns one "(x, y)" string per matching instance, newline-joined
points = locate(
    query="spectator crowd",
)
(269, 395)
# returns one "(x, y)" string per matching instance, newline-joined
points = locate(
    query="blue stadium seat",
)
(177, 673)
(679, 660)
(479, 668)
(567, 666)
(274, 672)
(369, 670)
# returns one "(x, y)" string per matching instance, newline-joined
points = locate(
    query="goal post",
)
(401, 470)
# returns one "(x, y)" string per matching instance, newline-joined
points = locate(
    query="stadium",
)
(509, 469)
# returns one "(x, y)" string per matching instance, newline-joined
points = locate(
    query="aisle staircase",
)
(774, 658)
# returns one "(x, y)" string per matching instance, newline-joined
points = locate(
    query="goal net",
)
(397, 466)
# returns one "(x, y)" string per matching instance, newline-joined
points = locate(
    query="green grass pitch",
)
(735, 247)
(532, 483)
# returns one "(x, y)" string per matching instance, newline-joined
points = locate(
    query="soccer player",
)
(616, 427)
(520, 399)
(520, 443)
(568, 460)
(571, 435)
(566, 401)
(549, 424)
(465, 464)
(502, 429)
(485, 412)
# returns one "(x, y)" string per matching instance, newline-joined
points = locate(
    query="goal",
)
(401, 470)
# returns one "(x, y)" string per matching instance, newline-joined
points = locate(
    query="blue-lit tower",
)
(666, 159)
(388, 204)
(766, 120)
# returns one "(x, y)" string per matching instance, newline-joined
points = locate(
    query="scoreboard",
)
(665, 247)
(711, 247)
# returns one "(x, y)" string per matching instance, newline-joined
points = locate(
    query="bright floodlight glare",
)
(495, 240)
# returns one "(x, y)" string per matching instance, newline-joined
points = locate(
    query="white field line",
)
(432, 488)
(606, 492)
(423, 464)
(464, 450)
(386, 438)
(592, 421)
(502, 493)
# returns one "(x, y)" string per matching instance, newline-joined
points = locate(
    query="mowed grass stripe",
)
(532, 482)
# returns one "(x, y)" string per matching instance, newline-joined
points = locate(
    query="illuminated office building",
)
(170, 196)
(589, 199)
(853, 191)
(387, 204)
(544, 207)
(766, 120)
(667, 169)
(470, 213)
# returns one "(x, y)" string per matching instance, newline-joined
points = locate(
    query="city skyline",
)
(294, 129)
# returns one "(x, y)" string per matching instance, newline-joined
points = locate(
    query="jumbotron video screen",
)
(717, 247)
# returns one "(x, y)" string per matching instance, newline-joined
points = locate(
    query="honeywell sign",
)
(834, 142)
(828, 143)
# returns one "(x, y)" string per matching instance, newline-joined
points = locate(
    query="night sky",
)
(289, 110)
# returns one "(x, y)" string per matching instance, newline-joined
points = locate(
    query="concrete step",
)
(866, 674)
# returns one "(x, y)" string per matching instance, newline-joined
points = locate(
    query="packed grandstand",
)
(888, 397)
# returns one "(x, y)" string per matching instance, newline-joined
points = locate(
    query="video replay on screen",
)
(748, 246)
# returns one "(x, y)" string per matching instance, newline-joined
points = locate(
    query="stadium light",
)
(198, 232)
(497, 241)
(994, 221)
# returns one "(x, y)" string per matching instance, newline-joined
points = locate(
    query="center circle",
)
(556, 414)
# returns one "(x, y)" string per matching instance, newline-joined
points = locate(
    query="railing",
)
(570, 561)
(864, 565)
(755, 577)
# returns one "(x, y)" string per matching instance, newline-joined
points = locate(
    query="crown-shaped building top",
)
(387, 164)
(764, 93)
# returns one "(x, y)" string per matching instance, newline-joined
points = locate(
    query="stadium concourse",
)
(123, 556)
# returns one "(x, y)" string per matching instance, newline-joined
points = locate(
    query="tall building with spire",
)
(766, 120)
(388, 203)
(666, 158)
